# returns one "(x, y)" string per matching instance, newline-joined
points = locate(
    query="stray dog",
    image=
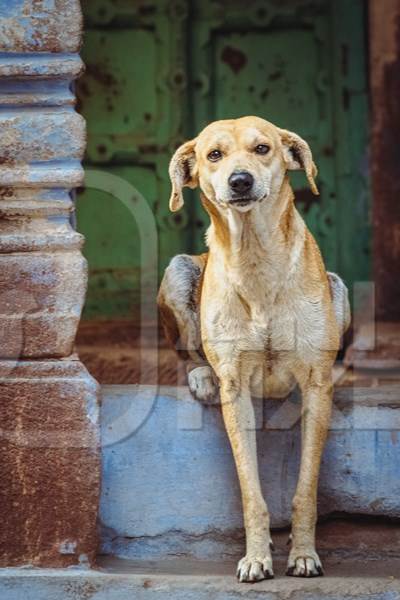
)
(258, 313)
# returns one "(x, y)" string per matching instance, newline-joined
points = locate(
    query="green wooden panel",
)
(113, 237)
(118, 101)
(157, 72)
(112, 245)
(133, 98)
(256, 72)
(351, 136)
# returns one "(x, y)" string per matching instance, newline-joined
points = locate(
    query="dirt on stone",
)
(119, 351)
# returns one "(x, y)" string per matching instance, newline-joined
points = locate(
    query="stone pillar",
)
(49, 431)
(384, 25)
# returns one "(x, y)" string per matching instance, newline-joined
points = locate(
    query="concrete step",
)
(170, 486)
(197, 580)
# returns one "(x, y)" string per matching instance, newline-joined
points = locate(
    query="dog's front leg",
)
(238, 414)
(317, 402)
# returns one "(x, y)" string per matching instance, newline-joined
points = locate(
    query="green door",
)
(132, 95)
(158, 72)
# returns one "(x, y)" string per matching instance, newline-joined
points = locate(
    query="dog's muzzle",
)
(241, 201)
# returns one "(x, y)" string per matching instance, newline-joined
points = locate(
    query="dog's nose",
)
(241, 182)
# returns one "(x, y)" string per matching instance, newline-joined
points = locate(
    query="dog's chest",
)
(261, 292)
(266, 311)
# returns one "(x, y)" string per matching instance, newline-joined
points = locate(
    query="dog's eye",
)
(262, 149)
(214, 155)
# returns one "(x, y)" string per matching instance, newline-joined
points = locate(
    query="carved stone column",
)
(49, 432)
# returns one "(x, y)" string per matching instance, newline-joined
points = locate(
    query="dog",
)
(257, 314)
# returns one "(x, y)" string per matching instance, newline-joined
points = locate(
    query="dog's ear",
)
(183, 173)
(298, 156)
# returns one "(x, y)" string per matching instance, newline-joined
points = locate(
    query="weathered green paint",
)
(159, 71)
(133, 96)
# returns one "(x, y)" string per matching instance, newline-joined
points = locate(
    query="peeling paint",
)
(234, 58)
(47, 26)
(68, 547)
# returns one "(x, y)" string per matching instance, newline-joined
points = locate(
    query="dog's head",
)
(238, 163)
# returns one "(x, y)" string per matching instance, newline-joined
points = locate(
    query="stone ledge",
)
(184, 580)
(169, 482)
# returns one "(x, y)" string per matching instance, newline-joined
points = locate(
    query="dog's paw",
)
(252, 569)
(304, 564)
(202, 385)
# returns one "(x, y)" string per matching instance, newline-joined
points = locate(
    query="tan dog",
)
(258, 313)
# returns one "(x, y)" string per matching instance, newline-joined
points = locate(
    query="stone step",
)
(170, 486)
(198, 580)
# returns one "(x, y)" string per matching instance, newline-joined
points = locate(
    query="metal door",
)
(159, 71)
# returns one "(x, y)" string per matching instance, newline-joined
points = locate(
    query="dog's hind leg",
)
(340, 299)
(178, 301)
